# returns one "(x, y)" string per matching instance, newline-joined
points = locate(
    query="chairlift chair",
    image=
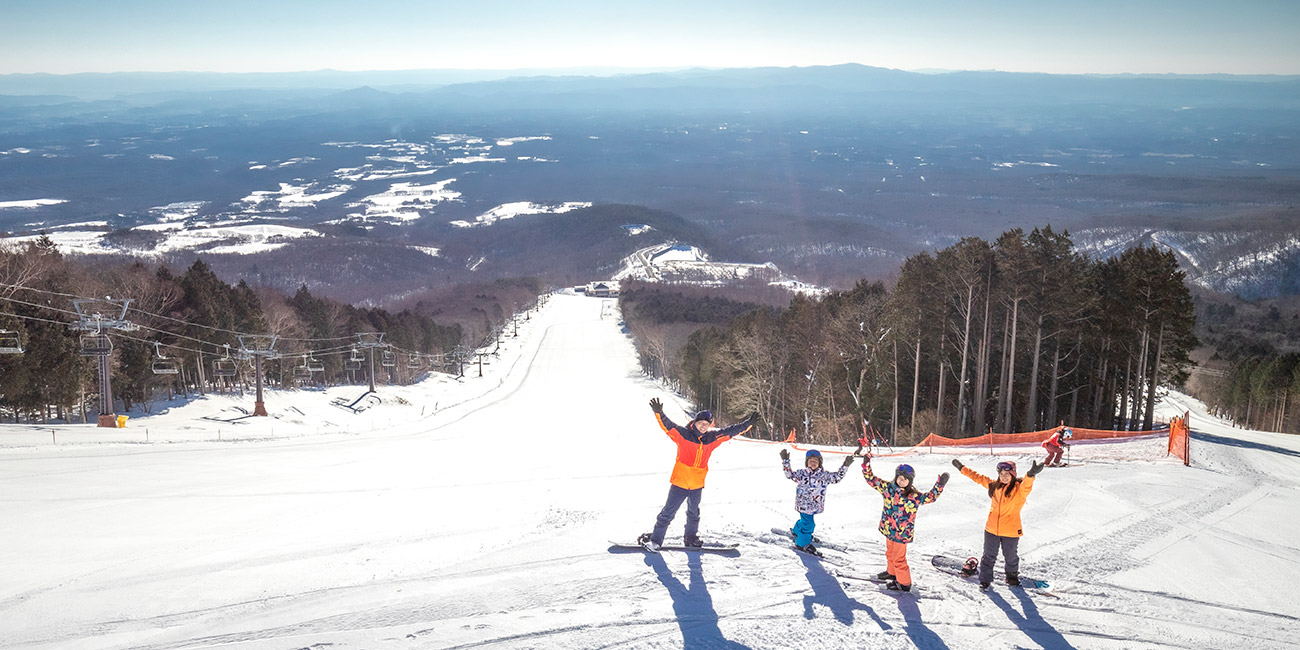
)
(388, 359)
(413, 362)
(163, 364)
(9, 343)
(96, 344)
(314, 364)
(302, 371)
(224, 367)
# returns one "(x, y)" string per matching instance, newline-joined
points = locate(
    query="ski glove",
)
(957, 463)
(943, 478)
(656, 405)
(785, 454)
(1034, 469)
(848, 461)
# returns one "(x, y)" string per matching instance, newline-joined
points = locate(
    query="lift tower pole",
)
(370, 341)
(258, 347)
(96, 317)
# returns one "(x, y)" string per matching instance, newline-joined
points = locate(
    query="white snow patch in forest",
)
(402, 201)
(506, 142)
(70, 242)
(30, 203)
(291, 196)
(427, 250)
(240, 239)
(517, 208)
(1021, 163)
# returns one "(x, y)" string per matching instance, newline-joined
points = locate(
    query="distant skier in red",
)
(695, 443)
(1055, 445)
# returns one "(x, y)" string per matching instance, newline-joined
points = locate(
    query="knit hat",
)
(706, 415)
(905, 470)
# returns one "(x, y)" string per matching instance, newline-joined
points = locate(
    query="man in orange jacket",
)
(695, 443)
(1003, 530)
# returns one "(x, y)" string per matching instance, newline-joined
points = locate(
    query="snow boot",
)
(894, 586)
(645, 542)
(1013, 580)
(885, 575)
(984, 586)
(694, 542)
(811, 550)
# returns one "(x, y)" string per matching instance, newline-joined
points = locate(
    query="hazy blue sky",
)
(1079, 36)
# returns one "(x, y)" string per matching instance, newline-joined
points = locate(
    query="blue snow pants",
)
(676, 495)
(803, 530)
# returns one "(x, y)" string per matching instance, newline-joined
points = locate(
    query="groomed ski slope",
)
(485, 523)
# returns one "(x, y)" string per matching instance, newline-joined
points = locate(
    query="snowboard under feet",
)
(712, 547)
(953, 566)
(817, 541)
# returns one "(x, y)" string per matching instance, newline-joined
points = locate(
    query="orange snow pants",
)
(896, 555)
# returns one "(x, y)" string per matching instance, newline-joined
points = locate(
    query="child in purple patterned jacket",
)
(810, 495)
(898, 519)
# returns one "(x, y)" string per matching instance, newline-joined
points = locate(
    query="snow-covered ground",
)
(478, 514)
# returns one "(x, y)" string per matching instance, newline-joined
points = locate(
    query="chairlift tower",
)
(258, 347)
(96, 317)
(370, 341)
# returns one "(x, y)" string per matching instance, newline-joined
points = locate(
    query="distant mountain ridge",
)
(844, 78)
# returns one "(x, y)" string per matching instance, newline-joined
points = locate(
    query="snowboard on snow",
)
(953, 565)
(712, 547)
(919, 592)
(817, 541)
(784, 538)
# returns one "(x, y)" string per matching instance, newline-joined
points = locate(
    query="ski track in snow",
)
(483, 524)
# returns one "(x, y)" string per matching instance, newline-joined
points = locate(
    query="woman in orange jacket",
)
(1002, 530)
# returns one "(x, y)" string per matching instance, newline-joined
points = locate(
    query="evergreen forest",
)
(1017, 334)
(171, 333)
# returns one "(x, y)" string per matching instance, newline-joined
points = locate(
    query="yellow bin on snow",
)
(121, 421)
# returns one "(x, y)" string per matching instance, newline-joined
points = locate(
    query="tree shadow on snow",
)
(1233, 442)
(828, 593)
(693, 606)
(1031, 623)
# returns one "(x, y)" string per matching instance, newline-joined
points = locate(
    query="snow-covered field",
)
(478, 514)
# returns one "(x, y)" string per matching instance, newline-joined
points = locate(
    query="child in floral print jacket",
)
(810, 495)
(898, 518)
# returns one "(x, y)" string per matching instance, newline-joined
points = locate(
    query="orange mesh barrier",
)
(1180, 439)
(991, 439)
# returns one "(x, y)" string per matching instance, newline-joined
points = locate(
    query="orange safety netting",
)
(1180, 438)
(934, 440)
(992, 439)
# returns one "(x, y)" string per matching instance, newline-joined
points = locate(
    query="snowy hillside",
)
(478, 514)
(683, 263)
(1248, 262)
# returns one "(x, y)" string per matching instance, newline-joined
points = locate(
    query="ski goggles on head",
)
(1006, 466)
(905, 470)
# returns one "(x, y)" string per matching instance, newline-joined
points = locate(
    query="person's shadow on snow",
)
(693, 606)
(828, 593)
(1031, 622)
(922, 636)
